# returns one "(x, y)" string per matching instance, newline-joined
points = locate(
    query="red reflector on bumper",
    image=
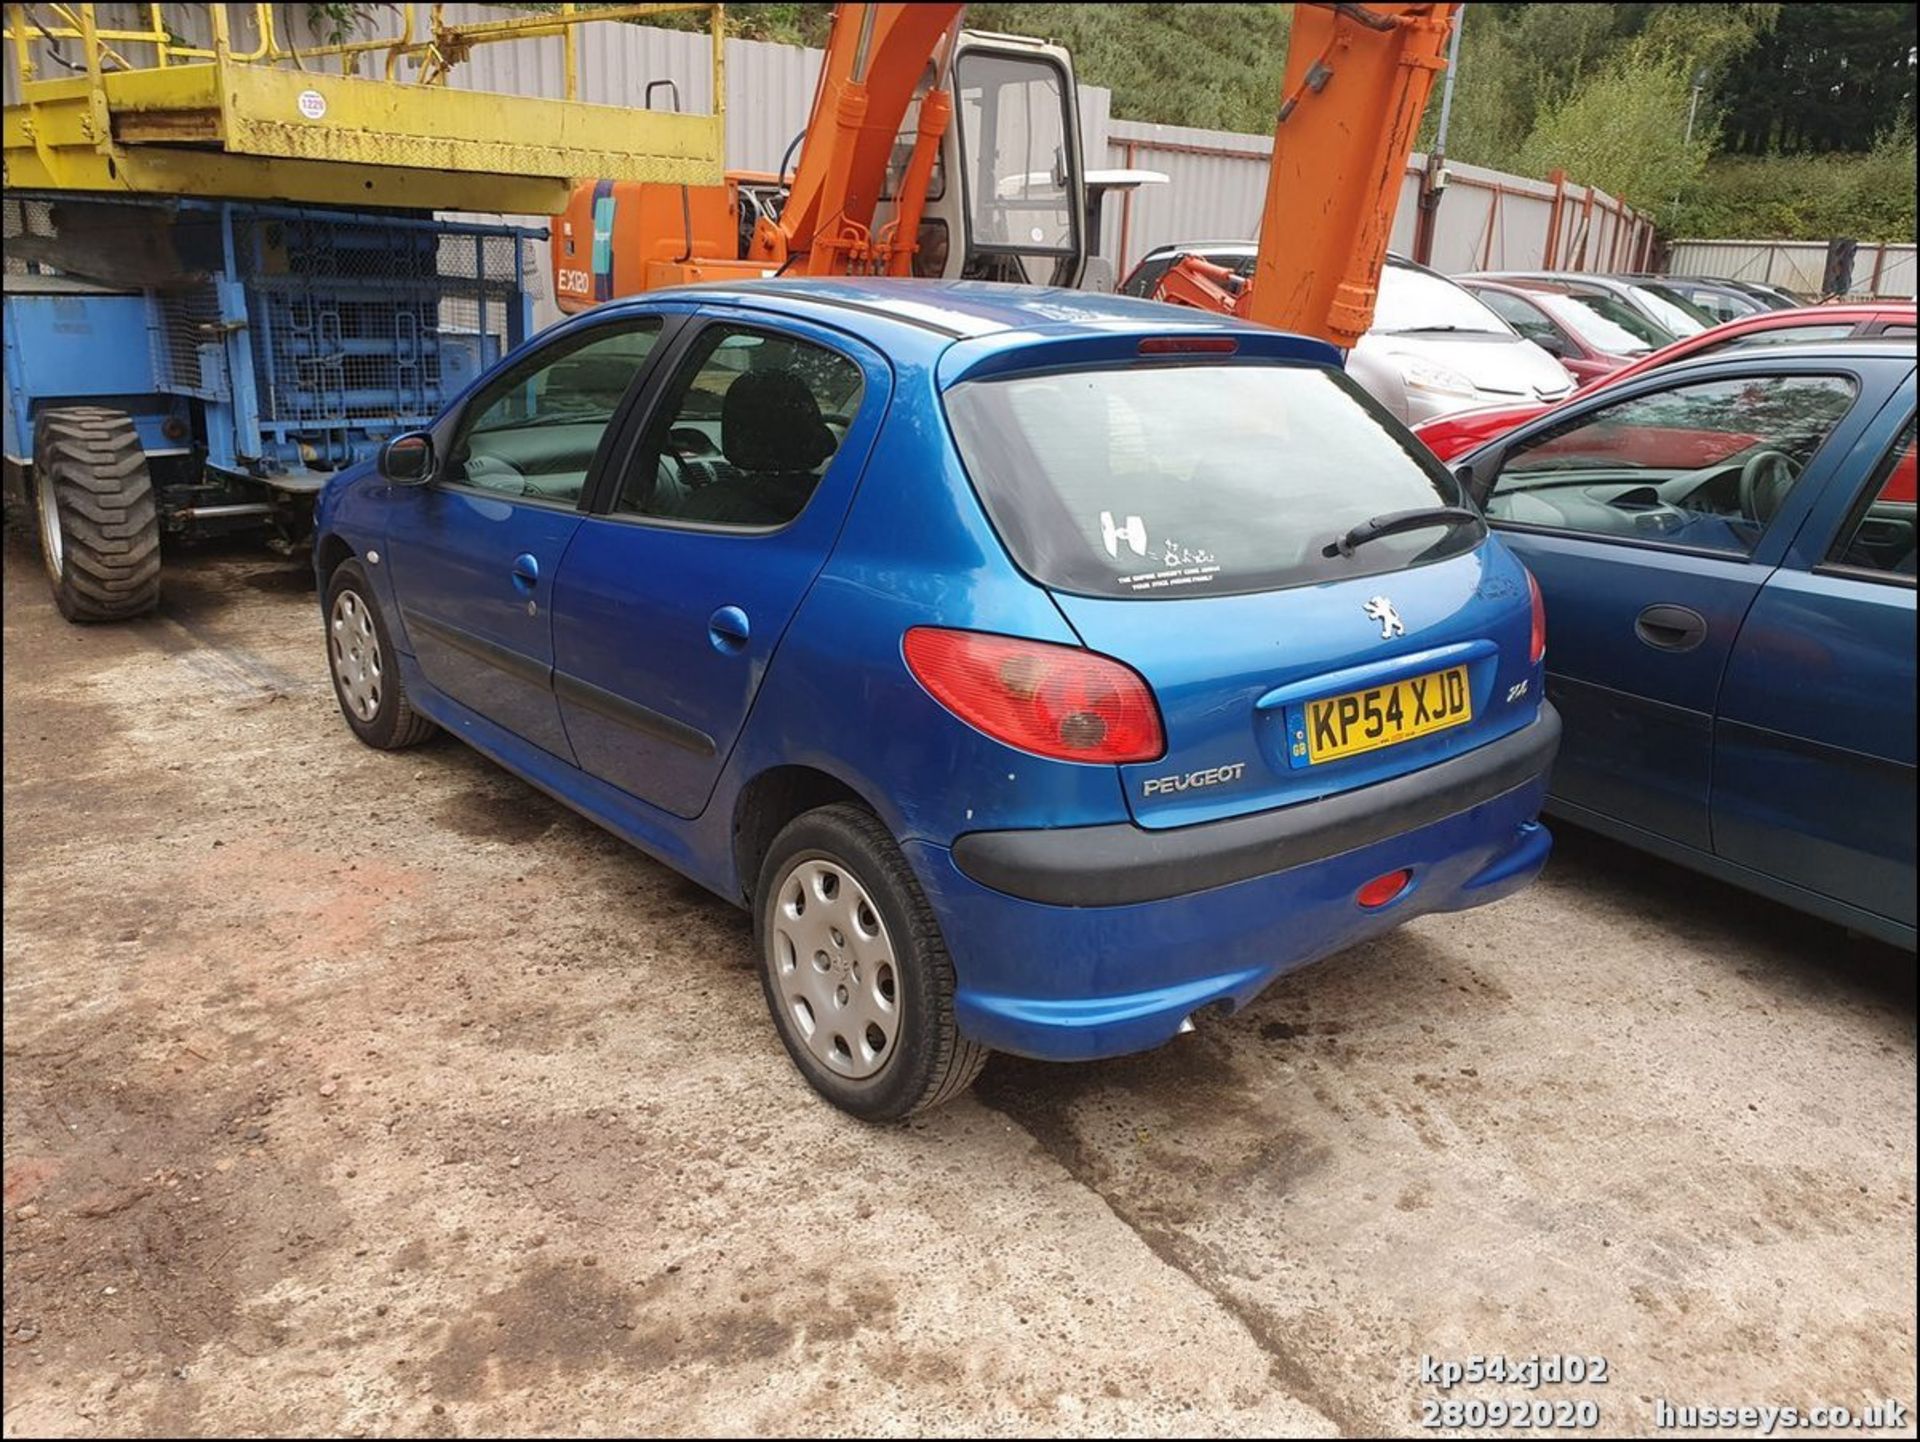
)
(1382, 889)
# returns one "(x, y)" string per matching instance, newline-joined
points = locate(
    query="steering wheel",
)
(686, 441)
(1764, 482)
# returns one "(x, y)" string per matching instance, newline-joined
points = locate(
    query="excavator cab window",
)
(903, 150)
(1017, 162)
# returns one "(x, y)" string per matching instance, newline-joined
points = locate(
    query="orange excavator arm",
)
(618, 237)
(1357, 82)
(876, 59)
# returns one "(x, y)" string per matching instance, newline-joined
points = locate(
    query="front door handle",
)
(727, 628)
(1670, 628)
(526, 573)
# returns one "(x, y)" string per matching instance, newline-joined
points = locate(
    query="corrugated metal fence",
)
(1880, 272)
(1486, 220)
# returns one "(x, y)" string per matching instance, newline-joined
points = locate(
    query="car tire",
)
(855, 971)
(99, 528)
(366, 668)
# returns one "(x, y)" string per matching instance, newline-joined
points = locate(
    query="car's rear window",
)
(1185, 480)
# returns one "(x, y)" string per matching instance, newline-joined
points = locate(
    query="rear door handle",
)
(526, 572)
(1670, 628)
(728, 629)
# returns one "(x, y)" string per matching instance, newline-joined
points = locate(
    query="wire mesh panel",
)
(24, 217)
(354, 321)
(186, 337)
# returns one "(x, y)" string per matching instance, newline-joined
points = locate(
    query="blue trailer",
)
(185, 368)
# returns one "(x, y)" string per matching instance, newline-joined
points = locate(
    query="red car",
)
(1454, 435)
(1592, 333)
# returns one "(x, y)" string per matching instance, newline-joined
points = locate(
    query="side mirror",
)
(407, 460)
(1551, 342)
(1477, 479)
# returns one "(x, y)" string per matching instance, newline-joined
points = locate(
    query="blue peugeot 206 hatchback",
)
(1042, 669)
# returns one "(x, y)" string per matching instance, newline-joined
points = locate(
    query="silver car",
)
(1655, 300)
(1433, 349)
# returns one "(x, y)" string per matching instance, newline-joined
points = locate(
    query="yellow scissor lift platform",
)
(207, 121)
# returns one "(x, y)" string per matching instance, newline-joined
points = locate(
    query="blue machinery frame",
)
(302, 339)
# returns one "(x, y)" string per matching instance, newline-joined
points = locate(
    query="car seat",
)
(774, 440)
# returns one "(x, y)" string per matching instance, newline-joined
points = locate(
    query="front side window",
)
(1879, 536)
(1704, 465)
(1016, 143)
(745, 430)
(1159, 482)
(1522, 315)
(532, 433)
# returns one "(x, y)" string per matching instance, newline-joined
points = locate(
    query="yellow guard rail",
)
(145, 111)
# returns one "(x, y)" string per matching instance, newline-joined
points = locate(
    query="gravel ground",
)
(379, 1094)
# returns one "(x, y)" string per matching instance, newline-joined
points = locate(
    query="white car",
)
(1433, 349)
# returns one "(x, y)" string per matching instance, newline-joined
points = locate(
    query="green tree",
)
(1624, 131)
(1825, 78)
(1217, 66)
(1807, 197)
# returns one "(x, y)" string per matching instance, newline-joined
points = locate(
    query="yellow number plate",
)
(1366, 720)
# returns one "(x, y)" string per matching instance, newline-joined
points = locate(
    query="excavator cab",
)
(1019, 205)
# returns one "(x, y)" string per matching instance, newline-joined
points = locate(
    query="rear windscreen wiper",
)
(1394, 522)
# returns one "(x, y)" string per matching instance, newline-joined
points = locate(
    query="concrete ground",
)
(378, 1094)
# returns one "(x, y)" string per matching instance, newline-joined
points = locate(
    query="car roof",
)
(1859, 347)
(1250, 247)
(1563, 277)
(1228, 247)
(1852, 311)
(1705, 280)
(950, 308)
(1523, 283)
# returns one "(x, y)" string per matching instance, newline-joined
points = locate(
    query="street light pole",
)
(1434, 178)
(1693, 109)
(1699, 84)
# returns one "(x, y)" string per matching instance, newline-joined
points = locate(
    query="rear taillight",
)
(1056, 701)
(1537, 642)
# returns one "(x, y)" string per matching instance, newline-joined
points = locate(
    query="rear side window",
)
(1166, 481)
(1146, 276)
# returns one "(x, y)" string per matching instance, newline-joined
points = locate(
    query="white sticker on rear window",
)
(1134, 533)
(1179, 566)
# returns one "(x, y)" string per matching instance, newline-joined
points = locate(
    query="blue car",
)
(1727, 550)
(1041, 669)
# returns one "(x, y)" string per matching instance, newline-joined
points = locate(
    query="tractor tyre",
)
(99, 529)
